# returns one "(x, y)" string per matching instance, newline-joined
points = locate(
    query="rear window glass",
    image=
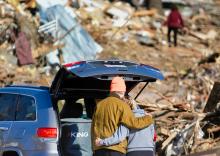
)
(77, 108)
(26, 109)
(7, 106)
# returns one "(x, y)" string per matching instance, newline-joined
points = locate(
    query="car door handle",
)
(4, 128)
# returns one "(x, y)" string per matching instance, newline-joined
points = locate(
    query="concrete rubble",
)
(187, 122)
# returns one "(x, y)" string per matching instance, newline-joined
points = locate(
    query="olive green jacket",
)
(109, 114)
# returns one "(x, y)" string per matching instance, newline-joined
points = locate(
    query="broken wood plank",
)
(214, 129)
(169, 139)
(141, 13)
(212, 152)
(198, 35)
(214, 98)
(164, 131)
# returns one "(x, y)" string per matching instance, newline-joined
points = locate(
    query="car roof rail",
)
(29, 86)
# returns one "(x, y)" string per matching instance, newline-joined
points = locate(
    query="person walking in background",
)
(109, 114)
(140, 142)
(174, 23)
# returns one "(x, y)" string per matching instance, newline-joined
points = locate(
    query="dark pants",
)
(107, 152)
(175, 32)
(140, 153)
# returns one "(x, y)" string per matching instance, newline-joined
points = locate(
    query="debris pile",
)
(184, 127)
(44, 34)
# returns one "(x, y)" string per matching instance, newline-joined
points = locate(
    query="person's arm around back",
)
(130, 121)
(120, 134)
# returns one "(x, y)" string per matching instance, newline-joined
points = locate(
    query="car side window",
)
(26, 109)
(7, 106)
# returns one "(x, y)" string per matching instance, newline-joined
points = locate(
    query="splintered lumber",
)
(164, 131)
(199, 17)
(214, 98)
(169, 139)
(198, 35)
(140, 13)
(180, 129)
(160, 113)
(214, 129)
(212, 152)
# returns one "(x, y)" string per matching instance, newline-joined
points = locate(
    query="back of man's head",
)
(117, 85)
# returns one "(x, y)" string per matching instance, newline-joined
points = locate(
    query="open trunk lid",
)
(92, 78)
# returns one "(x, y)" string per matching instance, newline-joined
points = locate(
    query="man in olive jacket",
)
(109, 114)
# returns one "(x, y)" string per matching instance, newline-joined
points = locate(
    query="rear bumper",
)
(40, 153)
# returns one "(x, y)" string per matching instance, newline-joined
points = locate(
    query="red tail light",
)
(73, 64)
(155, 137)
(46, 132)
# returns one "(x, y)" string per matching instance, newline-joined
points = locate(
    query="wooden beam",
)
(214, 98)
